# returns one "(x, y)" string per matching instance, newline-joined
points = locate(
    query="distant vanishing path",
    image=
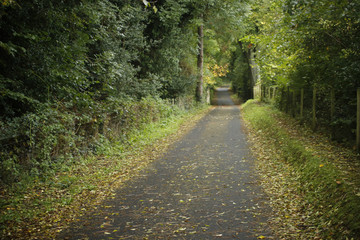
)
(204, 187)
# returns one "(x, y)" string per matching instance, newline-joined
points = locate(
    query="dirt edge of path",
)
(50, 224)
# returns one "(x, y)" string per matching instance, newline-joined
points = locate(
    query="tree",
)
(200, 64)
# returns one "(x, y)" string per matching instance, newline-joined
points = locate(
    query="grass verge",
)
(40, 209)
(313, 184)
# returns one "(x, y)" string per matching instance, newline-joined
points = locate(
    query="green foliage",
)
(172, 42)
(307, 44)
(224, 22)
(38, 144)
(36, 199)
(73, 74)
(239, 74)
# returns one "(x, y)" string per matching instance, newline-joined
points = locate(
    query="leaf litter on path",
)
(203, 187)
(294, 217)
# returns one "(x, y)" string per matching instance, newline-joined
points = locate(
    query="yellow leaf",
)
(321, 165)
(261, 237)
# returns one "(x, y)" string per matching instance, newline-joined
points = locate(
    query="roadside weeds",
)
(44, 209)
(313, 184)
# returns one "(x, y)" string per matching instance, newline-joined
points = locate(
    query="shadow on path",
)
(223, 97)
(204, 187)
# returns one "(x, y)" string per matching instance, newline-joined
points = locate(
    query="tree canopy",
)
(303, 44)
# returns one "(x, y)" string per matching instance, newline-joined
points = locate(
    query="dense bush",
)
(74, 73)
(37, 144)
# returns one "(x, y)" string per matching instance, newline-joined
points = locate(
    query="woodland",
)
(77, 75)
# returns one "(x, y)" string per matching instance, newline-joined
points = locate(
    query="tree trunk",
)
(251, 75)
(314, 110)
(200, 65)
(358, 122)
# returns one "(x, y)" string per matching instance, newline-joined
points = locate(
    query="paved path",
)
(203, 188)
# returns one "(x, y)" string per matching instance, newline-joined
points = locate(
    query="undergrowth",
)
(328, 198)
(44, 205)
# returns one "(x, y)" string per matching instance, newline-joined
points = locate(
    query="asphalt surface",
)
(204, 187)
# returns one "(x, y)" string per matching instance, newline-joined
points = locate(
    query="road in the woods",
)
(204, 187)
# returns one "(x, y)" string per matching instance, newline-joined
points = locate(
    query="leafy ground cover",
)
(313, 183)
(42, 208)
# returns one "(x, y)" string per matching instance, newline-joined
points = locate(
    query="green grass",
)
(44, 206)
(333, 205)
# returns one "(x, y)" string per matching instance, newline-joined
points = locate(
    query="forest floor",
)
(204, 187)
